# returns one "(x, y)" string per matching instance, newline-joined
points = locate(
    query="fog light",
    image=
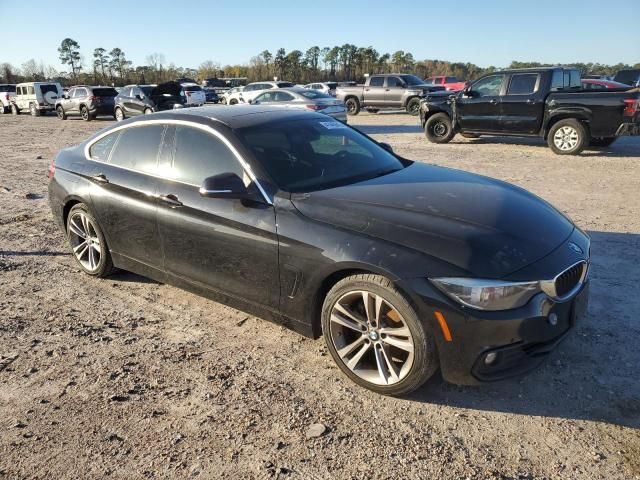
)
(490, 358)
(553, 319)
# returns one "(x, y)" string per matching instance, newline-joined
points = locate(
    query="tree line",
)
(346, 62)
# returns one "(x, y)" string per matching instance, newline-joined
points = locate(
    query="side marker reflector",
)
(446, 333)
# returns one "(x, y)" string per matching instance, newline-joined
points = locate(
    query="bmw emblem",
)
(575, 248)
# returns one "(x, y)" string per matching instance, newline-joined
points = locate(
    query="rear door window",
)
(137, 148)
(394, 82)
(198, 155)
(522, 83)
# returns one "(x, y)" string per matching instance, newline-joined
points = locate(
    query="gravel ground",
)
(128, 378)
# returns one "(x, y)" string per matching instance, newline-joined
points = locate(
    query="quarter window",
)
(199, 155)
(522, 83)
(102, 148)
(488, 86)
(137, 148)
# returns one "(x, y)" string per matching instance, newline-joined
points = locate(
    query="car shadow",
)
(387, 129)
(593, 374)
(15, 253)
(623, 147)
(128, 277)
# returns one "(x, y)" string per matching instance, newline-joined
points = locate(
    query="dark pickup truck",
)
(543, 102)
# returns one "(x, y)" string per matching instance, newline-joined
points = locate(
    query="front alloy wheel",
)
(375, 336)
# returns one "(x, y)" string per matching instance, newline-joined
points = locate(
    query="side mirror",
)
(467, 92)
(386, 146)
(224, 185)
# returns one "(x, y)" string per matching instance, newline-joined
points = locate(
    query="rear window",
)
(105, 92)
(285, 84)
(565, 80)
(522, 83)
(193, 88)
(7, 88)
(49, 88)
(314, 94)
(630, 77)
(451, 80)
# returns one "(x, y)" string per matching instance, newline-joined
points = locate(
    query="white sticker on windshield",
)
(333, 125)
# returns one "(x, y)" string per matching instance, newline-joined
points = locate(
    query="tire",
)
(470, 135)
(119, 114)
(602, 141)
(61, 113)
(84, 113)
(4, 109)
(353, 106)
(438, 128)
(147, 111)
(233, 101)
(413, 106)
(14, 109)
(92, 261)
(567, 137)
(373, 110)
(33, 110)
(371, 339)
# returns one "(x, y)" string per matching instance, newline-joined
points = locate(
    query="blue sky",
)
(484, 32)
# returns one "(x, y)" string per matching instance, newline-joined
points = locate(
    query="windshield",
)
(630, 77)
(314, 94)
(105, 92)
(412, 80)
(316, 154)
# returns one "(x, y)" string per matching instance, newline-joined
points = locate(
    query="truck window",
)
(451, 80)
(394, 82)
(376, 82)
(565, 79)
(488, 86)
(522, 83)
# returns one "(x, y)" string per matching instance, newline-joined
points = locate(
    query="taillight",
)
(315, 108)
(51, 170)
(631, 107)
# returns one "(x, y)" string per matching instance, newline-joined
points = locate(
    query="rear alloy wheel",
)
(375, 336)
(60, 113)
(353, 106)
(413, 107)
(147, 111)
(84, 113)
(119, 114)
(34, 110)
(438, 128)
(87, 242)
(567, 137)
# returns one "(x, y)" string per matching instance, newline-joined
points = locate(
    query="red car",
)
(449, 83)
(592, 84)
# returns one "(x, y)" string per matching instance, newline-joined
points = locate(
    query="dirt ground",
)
(128, 378)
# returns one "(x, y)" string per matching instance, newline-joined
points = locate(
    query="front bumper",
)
(628, 129)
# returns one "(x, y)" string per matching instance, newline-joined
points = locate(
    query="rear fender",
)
(581, 114)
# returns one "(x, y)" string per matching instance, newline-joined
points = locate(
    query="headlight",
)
(487, 294)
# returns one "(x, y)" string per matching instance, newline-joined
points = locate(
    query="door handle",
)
(493, 101)
(531, 101)
(100, 178)
(171, 200)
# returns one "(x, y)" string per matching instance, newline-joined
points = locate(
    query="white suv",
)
(7, 93)
(252, 90)
(194, 94)
(37, 97)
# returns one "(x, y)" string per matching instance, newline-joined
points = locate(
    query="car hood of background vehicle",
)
(486, 227)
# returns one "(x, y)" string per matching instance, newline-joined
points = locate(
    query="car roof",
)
(233, 116)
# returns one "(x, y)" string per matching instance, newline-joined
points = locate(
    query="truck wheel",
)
(568, 137)
(602, 141)
(438, 128)
(353, 106)
(14, 109)
(34, 110)
(413, 106)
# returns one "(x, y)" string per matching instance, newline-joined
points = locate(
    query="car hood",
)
(483, 226)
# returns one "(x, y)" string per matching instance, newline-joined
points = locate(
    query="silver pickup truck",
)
(397, 90)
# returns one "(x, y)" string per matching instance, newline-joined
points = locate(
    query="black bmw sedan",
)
(403, 267)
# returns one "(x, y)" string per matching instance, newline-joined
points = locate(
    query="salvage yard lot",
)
(129, 378)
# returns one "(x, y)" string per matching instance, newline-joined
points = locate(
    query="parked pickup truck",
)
(449, 83)
(396, 90)
(543, 102)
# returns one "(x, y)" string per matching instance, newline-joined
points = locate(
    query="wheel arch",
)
(580, 116)
(430, 113)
